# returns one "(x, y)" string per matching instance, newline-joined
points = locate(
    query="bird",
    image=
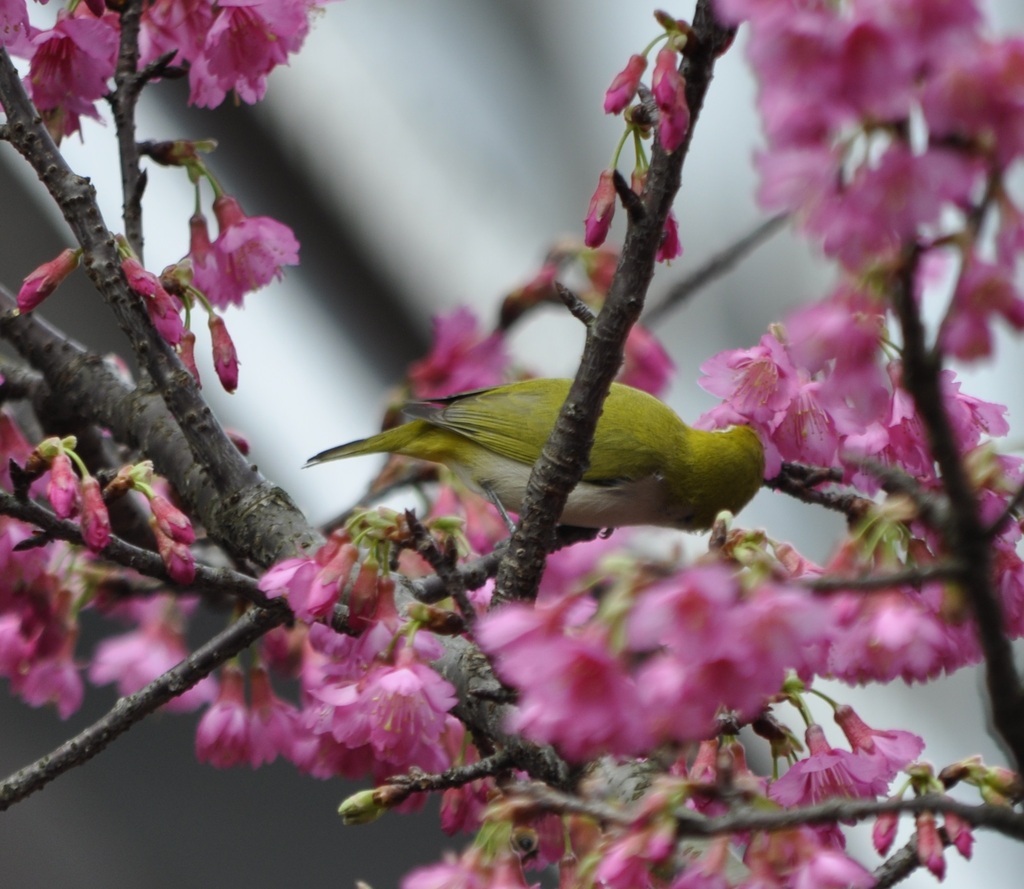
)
(646, 466)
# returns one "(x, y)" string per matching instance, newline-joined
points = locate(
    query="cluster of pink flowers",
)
(37, 629)
(372, 702)
(229, 47)
(691, 646)
(881, 118)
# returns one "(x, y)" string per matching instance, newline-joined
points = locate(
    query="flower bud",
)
(600, 211)
(361, 808)
(225, 359)
(171, 520)
(624, 85)
(45, 279)
(62, 491)
(95, 518)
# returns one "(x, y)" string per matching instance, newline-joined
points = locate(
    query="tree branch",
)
(565, 456)
(962, 529)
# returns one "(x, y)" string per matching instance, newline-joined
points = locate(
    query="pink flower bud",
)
(624, 86)
(960, 833)
(171, 521)
(95, 518)
(225, 359)
(600, 211)
(62, 491)
(884, 831)
(44, 280)
(187, 354)
(670, 247)
(177, 557)
(162, 307)
(228, 211)
(669, 90)
(362, 599)
(929, 844)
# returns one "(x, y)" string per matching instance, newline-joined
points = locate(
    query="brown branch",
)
(397, 789)
(127, 89)
(689, 823)
(219, 581)
(914, 576)
(565, 456)
(966, 537)
(801, 483)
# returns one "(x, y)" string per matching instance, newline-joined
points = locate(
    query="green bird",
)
(647, 467)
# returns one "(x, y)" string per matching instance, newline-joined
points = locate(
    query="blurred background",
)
(426, 155)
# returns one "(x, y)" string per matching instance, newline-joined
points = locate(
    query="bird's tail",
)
(390, 441)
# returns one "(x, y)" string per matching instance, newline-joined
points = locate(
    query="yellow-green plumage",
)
(647, 467)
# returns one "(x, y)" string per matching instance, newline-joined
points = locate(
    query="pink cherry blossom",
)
(180, 25)
(929, 844)
(893, 749)
(176, 556)
(163, 308)
(52, 680)
(396, 709)
(249, 253)
(759, 382)
(670, 247)
(883, 832)
(669, 90)
(976, 95)
(983, 290)
(827, 773)
(223, 735)
(70, 67)
(247, 40)
(960, 833)
(461, 358)
(14, 25)
(133, 660)
(171, 520)
(273, 723)
(627, 862)
(646, 365)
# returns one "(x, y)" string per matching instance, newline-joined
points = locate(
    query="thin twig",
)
(579, 309)
(719, 264)
(220, 581)
(914, 577)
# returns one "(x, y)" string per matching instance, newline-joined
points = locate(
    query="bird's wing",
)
(513, 421)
